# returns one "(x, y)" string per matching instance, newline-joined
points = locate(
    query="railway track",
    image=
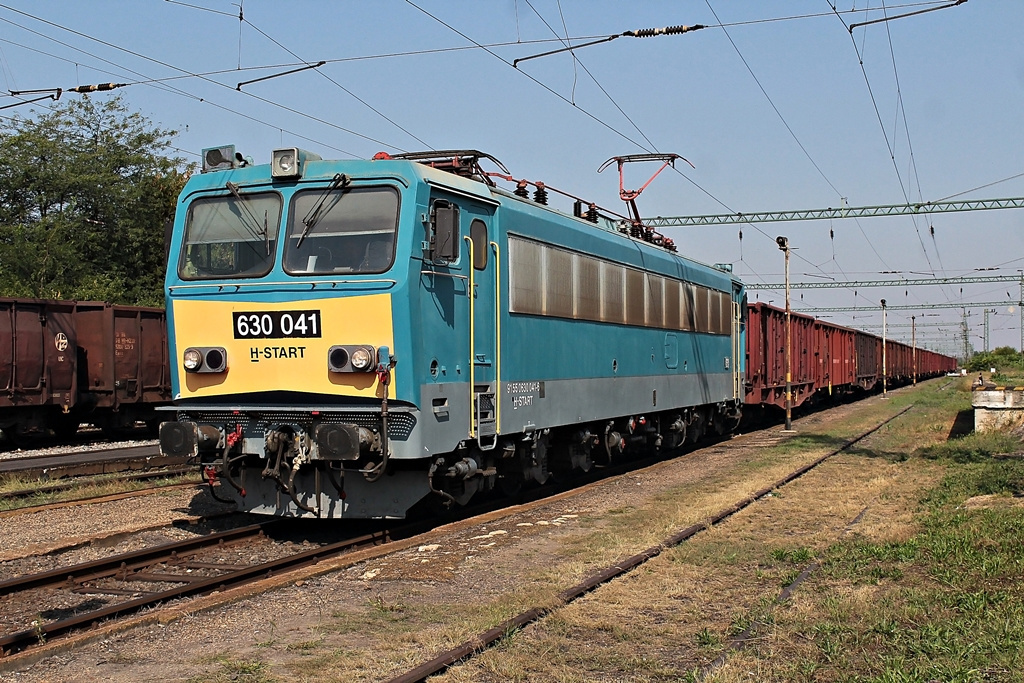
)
(167, 572)
(148, 475)
(84, 463)
(147, 578)
(164, 573)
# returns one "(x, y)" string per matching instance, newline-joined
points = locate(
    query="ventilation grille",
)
(400, 425)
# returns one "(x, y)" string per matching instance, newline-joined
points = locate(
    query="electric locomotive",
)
(351, 338)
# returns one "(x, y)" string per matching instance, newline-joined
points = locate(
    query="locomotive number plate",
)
(276, 324)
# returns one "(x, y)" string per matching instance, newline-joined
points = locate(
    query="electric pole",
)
(784, 246)
(884, 394)
(913, 344)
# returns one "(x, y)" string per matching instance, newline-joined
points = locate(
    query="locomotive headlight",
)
(192, 359)
(361, 359)
(206, 359)
(354, 358)
(287, 162)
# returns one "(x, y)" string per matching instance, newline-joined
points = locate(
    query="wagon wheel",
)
(10, 436)
(64, 426)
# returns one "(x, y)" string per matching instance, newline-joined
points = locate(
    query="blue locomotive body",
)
(349, 338)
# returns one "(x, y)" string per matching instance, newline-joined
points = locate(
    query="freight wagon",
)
(64, 363)
(827, 359)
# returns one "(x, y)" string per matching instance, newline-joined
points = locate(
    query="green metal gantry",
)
(841, 212)
(861, 284)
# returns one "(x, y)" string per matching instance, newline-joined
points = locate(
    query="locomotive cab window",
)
(444, 237)
(230, 237)
(345, 230)
(478, 233)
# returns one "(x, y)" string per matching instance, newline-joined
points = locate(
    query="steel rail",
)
(69, 575)
(100, 453)
(15, 642)
(480, 642)
(64, 486)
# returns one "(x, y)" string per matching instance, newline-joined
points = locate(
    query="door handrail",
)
(497, 337)
(472, 337)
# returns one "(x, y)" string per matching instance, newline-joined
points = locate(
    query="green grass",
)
(974, 447)
(949, 604)
(236, 670)
(83, 487)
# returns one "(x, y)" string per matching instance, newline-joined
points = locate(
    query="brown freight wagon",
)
(827, 359)
(37, 366)
(64, 363)
(837, 368)
(766, 359)
(123, 366)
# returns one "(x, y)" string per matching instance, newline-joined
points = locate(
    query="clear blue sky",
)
(961, 85)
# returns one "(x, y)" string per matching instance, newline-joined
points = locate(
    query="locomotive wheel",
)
(588, 461)
(718, 424)
(510, 483)
(696, 431)
(561, 468)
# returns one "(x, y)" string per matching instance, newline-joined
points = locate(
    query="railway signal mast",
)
(884, 393)
(784, 246)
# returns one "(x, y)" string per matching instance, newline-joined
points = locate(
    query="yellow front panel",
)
(289, 364)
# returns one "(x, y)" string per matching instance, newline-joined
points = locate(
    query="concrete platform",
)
(997, 408)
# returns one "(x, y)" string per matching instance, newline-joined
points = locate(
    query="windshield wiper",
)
(254, 228)
(317, 211)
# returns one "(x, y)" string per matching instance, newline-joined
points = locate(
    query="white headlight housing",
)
(287, 162)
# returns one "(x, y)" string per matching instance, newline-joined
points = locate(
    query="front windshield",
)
(353, 231)
(230, 236)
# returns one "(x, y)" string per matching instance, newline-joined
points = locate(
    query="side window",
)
(478, 233)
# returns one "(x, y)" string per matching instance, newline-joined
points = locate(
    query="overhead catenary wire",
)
(185, 71)
(912, 162)
(576, 60)
(791, 132)
(334, 82)
(878, 115)
(543, 85)
(842, 238)
(585, 112)
(182, 93)
(982, 187)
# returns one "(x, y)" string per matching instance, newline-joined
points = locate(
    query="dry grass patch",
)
(86, 487)
(669, 619)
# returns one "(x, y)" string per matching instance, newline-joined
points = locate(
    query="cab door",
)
(484, 326)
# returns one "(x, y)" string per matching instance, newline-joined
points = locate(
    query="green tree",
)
(85, 191)
(1001, 358)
